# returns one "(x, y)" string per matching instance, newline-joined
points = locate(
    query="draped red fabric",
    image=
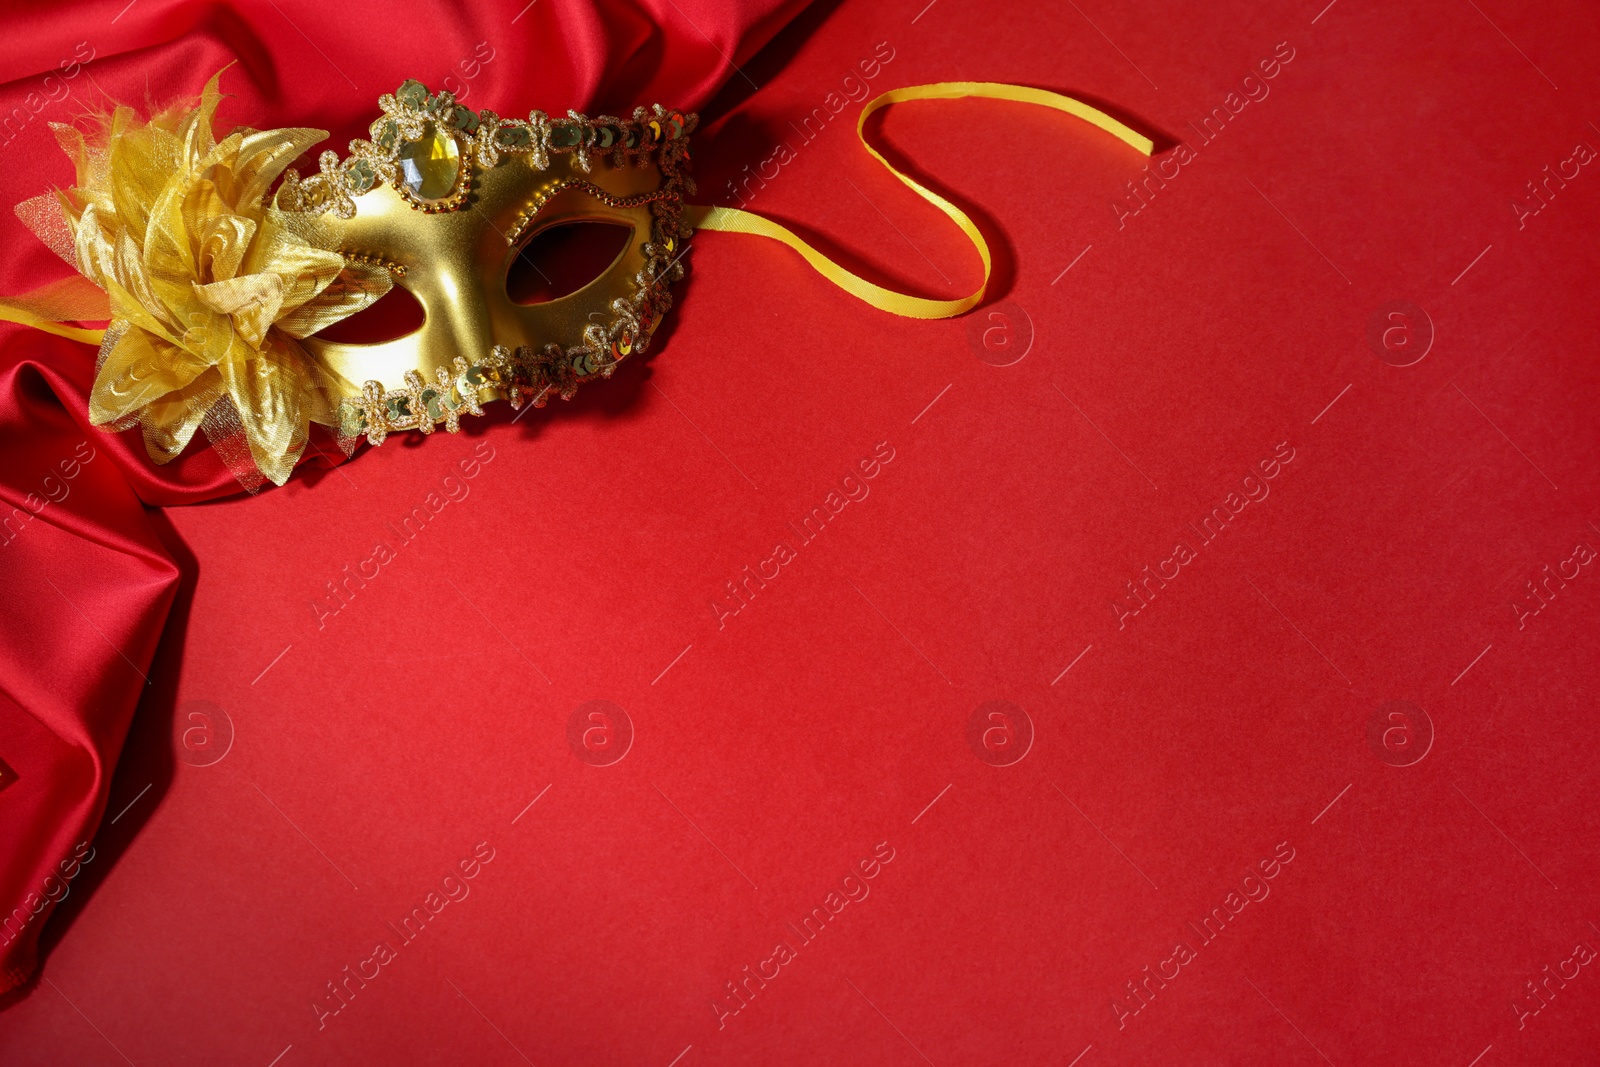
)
(87, 583)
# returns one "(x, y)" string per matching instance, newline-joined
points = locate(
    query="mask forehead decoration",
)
(444, 198)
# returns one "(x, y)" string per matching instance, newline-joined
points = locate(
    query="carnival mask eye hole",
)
(559, 260)
(392, 316)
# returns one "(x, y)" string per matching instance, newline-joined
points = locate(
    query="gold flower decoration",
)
(210, 287)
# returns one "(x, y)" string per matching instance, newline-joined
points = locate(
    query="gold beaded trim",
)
(371, 260)
(545, 192)
(653, 134)
(521, 374)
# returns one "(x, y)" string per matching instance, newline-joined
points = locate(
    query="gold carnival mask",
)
(444, 198)
(216, 290)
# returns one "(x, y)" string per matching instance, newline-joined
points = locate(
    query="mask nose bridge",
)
(459, 319)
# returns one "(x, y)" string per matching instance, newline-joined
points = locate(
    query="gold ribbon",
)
(734, 220)
(50, 307)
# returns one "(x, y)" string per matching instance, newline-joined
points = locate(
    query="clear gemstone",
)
(429, 165)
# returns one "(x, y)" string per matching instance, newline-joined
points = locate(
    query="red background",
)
(771, 755)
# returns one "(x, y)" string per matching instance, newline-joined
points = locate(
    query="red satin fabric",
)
(87, 582)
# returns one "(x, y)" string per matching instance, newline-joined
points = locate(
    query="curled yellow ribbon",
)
(734, 220)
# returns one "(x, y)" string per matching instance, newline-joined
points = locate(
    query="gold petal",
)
(275, 395)
(170, 423)
(264, 155)
(222, 241)
(43, 215)
(138, 295)
(139, 370)
(93, 247)
(222, 157)
(253, 301)
(195, 128)
(142, 162)
(71, 140)
(306, 271)
(181, 211)
(358, 286)
(182, 204)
